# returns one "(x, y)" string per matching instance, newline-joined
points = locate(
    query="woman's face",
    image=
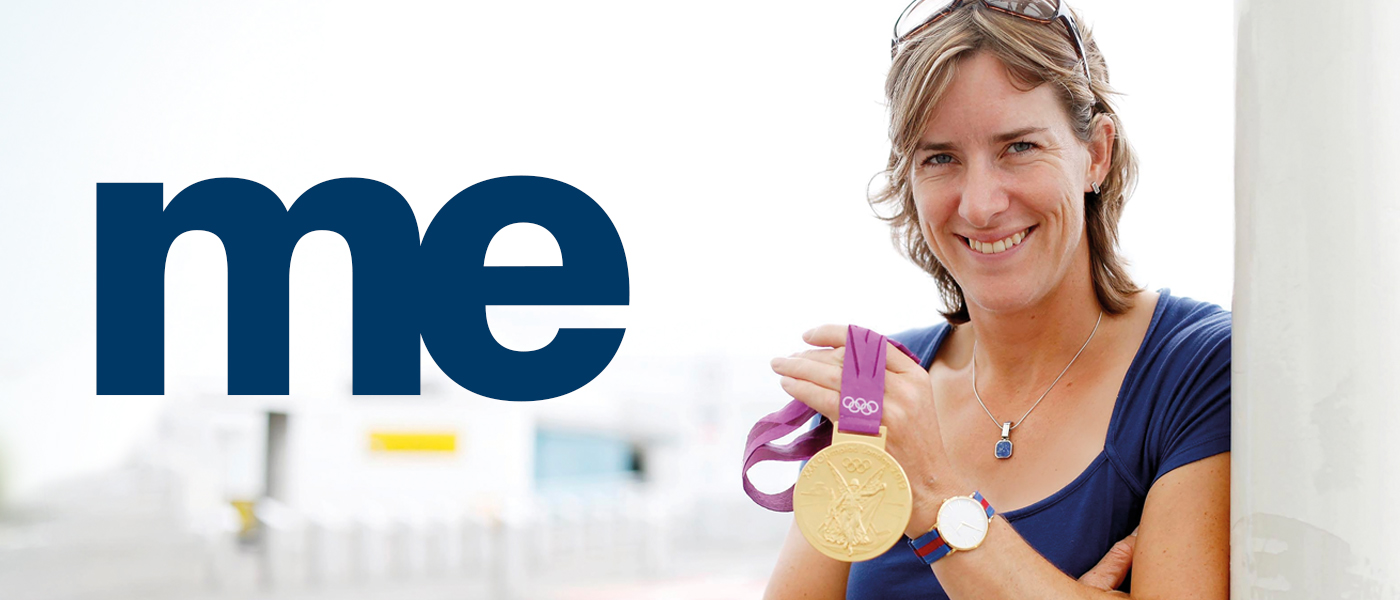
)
(999, 181)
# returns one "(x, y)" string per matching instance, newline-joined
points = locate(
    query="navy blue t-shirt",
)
(1172, 409)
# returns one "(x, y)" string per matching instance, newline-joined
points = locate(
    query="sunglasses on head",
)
(921, 15)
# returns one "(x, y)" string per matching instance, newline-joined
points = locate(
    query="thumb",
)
(1113, 568)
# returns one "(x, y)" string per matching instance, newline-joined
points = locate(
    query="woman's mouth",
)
(1001, 245)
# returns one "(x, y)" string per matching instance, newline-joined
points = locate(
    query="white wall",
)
(1317, 334)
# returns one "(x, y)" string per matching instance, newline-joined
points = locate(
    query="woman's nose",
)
(982, 198)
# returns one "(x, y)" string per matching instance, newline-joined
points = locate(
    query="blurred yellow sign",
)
(247, 519)
(408, 441)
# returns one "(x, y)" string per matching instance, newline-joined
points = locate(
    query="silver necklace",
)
(1003, 447)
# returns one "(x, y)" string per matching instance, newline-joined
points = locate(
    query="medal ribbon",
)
(862, 382)
(862, 402)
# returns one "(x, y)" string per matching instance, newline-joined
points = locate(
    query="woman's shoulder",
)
(1175, 400)
(1183, 323)
(1185, 336)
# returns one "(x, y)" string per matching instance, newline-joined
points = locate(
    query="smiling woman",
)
(1028, 54)
(1008, 173)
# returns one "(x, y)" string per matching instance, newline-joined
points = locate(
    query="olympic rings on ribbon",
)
(860, 405)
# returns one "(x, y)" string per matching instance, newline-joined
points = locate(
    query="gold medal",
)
(852, 500)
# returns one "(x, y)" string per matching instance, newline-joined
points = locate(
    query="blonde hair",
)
(1033, 53)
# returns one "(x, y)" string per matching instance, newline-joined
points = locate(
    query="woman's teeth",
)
(999, 245)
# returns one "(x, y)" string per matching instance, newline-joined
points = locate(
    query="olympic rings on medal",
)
(858, 465)
(860, 405)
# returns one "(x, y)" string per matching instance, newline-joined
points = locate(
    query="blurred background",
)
(730, 142)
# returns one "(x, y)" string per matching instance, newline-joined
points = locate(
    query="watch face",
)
(962, 522)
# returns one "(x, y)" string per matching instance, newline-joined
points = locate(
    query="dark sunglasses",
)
(921, 15)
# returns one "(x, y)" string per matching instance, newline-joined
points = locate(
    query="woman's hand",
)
(912, 434)
(1113, 568)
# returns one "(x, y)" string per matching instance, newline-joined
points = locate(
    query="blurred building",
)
(625, 485)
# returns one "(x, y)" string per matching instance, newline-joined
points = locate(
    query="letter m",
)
(134, 236)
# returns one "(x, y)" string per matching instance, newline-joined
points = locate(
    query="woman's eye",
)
(939, 159)
(1020, 147)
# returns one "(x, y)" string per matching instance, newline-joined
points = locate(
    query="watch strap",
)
(930, 546)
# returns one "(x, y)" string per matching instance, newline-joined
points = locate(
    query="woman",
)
(1007, 175)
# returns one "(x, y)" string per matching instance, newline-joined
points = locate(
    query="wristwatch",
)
(962, 524)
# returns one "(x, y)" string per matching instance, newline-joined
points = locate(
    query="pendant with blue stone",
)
(1003, 449)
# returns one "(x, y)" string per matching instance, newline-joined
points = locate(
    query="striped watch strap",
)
(930, 546)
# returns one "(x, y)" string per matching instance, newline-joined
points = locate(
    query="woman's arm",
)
(1183, 548)
(1184, 540)
(802, 572)
(805, 573)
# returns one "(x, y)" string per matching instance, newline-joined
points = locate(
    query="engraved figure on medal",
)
(849, 520)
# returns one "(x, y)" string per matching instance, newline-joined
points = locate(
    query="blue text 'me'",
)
(438, 289)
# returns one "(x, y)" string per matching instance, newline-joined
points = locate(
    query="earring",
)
(1095, 186)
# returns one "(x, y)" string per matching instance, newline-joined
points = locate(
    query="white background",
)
(730, 142)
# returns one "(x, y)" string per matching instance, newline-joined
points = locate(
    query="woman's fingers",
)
(899, 362)
(815, 371)
(830, 356)
(819, 398)
(823, 366)
(833, 336)
(1113, 568)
